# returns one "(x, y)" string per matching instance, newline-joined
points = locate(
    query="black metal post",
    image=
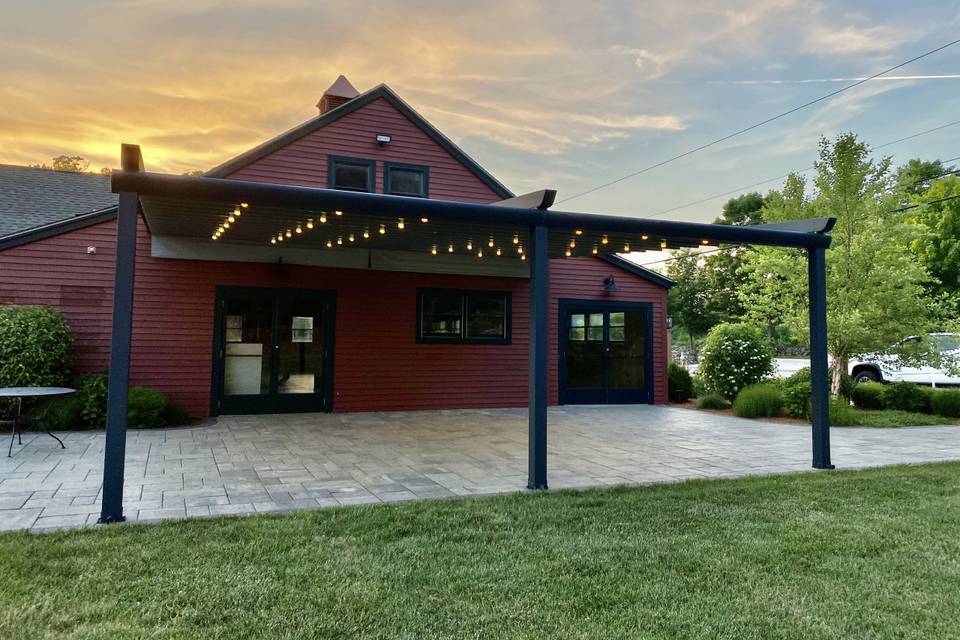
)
(537, 395)
(819, 386)
(111, 509)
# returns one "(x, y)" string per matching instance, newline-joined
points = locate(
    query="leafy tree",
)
(916, 176)
(687, 299)
(77, 164)
(742, 210)
(875, 285)
(937, 246)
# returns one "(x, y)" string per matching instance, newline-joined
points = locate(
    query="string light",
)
(704, 241)
(400, 224)
(516, 239)
(273, 241)
(498, 250)
(424, 220)
(329, 244)
(604, 240)
(244, 205)
(214, 237)
(366, 234)
(450, 248)
(236, 211)
(230, 218)
(469, 245)
(573, 244)
(226, 225)
(644, 237)
(523, 257)
(279, 237)
(299, 230)
(520, 249)
(351, 237)
(480, 253)
(663, 244)
(323, 218)
(220, 229)
(490, 243)
(339, 240)
(338, 212)
(433, 250)
(626, 247)
(309, 224)
(568, 253)
(383, 229)
(594, 251)
(579, 232)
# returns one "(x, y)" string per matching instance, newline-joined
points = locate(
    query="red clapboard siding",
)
(378, 364)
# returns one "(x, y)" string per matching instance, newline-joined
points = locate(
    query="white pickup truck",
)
(881, 367)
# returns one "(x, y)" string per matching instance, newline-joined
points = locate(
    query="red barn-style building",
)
(276, 327)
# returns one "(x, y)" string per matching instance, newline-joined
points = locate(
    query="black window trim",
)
(462, 338)
(371, 166)
(422, 168)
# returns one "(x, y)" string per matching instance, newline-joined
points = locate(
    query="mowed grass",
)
(845, 554)
(889, 418)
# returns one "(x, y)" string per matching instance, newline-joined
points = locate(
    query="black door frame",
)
(272, 402)
(568, 304)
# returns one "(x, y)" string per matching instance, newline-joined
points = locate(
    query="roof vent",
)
(339, 92)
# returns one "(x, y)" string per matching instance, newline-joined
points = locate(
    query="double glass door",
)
(606, 355)
(273, 350)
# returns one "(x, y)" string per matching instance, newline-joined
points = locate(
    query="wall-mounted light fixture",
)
(383, 139)
(610, 284)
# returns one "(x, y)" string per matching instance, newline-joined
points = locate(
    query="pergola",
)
(254, 216)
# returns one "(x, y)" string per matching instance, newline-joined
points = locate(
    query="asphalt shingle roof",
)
(32, 198)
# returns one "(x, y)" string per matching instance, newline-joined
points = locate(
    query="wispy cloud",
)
(943, 76)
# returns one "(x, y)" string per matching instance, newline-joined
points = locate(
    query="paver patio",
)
(252, 464)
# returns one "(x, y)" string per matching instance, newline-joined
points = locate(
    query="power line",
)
(920, 204)
(801, 171)
(758, 124)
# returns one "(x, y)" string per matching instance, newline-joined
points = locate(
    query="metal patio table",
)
(18, 394)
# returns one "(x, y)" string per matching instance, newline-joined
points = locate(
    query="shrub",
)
(92, 389)
(905, 396)
(35, 346)
(945, 402)
(679, 383)
(803, 375)
(712, 401)
(759, 400)
(145, 408)
(796, 400)
(699, 386)
(59, 413)
(734, 356)
(842, 414)
(868, 395)
(175, 415)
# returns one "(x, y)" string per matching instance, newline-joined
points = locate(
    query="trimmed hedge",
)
(945, 402)
(679, 383)
(35, 344)
(905, 396)
(868, 395)
(759, 400)
(712, 401)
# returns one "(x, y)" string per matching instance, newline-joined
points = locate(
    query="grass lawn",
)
(858, 554)
(888, 418)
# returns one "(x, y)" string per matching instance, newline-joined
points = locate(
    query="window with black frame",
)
(468, 317)
(405, 179)
(351, 174)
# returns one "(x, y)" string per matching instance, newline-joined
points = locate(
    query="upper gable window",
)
(405, 179)
(351, 174)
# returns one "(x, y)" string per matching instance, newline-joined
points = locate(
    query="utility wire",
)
(801, 171)
(758, 124)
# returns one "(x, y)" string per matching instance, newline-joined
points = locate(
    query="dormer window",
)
(351, 174)
(405, 179)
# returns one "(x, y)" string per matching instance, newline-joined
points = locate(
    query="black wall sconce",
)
(609, 284)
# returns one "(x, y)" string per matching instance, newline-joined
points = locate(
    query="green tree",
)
(875, 284)
(916, 176)
(742, 210)
(937, 244)
(687, 299)
(77, 164)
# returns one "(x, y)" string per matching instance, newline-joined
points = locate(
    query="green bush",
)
(803, 375)
(92, 389)
(905, 396)
(174, 415)
(145, 408)
(699, 386)
(712, 401)
(734, 356)
(842, 414)
(759, 400)
(868, 395)
(796, 400)
(945, 402)
(35, 346)
(59, 413)
(679, 383)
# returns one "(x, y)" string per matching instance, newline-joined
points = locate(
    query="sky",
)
(564, 95)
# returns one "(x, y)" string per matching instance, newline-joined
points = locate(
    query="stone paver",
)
(262, 464)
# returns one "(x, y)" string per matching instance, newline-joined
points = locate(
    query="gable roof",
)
(637, 270)
(32, 198)
(378, 92)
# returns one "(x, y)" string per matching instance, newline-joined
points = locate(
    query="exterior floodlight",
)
(383, 138)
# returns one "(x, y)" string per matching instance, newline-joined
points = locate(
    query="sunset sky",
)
(563, 95)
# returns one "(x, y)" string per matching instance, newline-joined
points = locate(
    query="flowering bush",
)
(734, 356)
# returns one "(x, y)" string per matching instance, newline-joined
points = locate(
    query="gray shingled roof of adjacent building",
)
(31, 198)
